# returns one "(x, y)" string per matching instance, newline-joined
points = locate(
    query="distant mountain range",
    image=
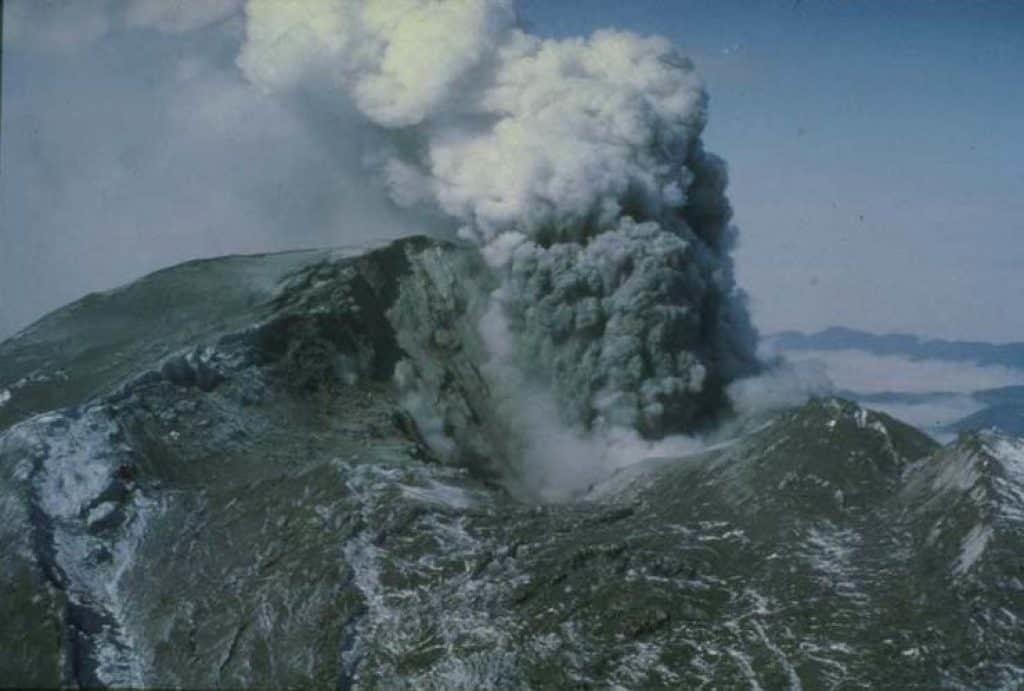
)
(842, 338)
(999, 408)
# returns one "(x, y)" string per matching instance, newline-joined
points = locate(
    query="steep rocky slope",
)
(287, 471)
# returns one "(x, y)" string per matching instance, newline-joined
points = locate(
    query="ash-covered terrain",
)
(297, 470)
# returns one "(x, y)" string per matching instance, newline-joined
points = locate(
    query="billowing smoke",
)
(576, 165)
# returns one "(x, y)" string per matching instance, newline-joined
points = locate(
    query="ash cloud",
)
(576, 165)
(145, 133)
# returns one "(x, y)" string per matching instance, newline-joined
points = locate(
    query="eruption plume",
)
(576, 165)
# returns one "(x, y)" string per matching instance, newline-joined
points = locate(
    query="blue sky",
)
(874, 149)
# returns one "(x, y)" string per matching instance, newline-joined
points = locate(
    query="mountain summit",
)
(292, 470)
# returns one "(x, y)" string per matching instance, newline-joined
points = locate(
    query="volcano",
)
(292, 470)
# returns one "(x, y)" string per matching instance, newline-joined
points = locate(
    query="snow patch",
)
(784, 662)
(100, 511)
(437, 493)
(861, 417)
(71, 463)
(1009, 484)
(972, 547)
(831, 554)
(746, 669)
(961, 474)
(402, 619)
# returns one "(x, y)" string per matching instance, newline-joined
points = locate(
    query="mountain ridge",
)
(314, 488)
(1009, 354)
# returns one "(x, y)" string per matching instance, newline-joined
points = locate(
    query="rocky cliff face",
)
(288, 471)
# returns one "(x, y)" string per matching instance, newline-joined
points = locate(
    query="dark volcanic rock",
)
(281, 471)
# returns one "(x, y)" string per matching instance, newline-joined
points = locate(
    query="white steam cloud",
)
(784, 385)
(576, 165)
(501, 129)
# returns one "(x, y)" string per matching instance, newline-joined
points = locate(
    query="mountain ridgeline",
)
(908, 345)
(293, 470)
